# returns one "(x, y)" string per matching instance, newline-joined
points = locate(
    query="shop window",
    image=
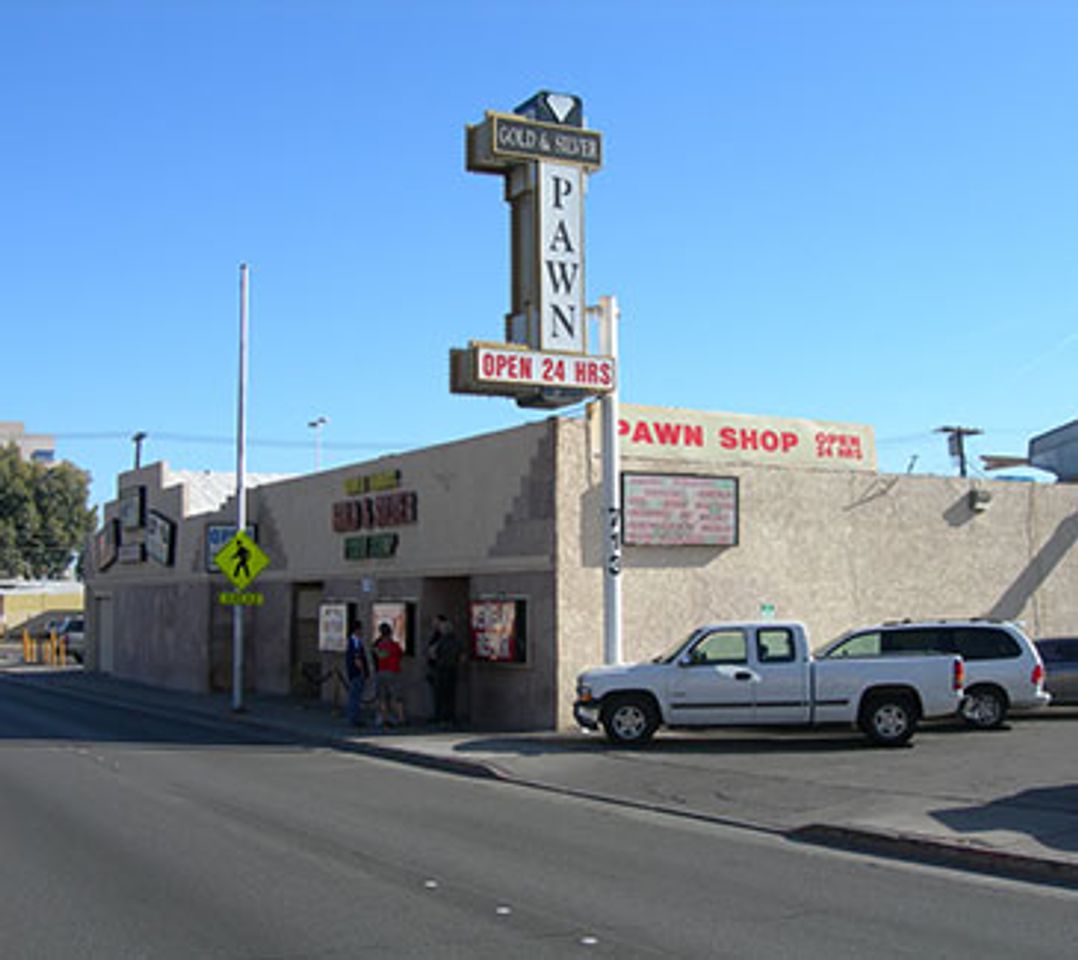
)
(499, 630)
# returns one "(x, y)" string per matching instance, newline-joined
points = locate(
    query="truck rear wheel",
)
(630, 719)
(888, 720)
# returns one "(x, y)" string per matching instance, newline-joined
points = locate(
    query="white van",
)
(1004, 671)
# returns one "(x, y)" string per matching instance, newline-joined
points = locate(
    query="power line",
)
(212, 439)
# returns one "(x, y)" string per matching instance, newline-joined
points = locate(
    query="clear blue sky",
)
(853, 211)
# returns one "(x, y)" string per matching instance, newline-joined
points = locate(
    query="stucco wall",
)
(160, 634)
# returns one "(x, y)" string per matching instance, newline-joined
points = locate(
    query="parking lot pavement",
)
(1001, 801)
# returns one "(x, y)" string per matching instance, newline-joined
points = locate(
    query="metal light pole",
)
(316, 425)
(241, 491)
(608, 333)
(137, 440)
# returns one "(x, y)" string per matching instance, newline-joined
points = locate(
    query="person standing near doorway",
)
(443, 654)
(357, 665)
(387, 659)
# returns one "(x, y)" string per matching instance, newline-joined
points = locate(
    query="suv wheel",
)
(984, 708)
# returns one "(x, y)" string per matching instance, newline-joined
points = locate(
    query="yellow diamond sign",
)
(241, 560)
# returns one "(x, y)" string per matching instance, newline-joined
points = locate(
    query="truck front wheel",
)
(888, 720)
(630, 719)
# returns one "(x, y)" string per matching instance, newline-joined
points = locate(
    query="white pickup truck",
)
(752, 674)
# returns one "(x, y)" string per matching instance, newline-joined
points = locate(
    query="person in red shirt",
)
(387, 659)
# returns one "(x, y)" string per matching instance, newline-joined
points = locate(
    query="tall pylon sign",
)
(544, 155)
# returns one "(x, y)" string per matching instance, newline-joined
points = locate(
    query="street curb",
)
(906, 846)
(382, 751)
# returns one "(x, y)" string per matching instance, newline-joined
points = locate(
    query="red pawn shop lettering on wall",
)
(369, 513)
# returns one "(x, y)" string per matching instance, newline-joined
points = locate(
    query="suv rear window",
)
(986, 643)
(973, 643)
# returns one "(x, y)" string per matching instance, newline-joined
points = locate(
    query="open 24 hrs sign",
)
(502, 365)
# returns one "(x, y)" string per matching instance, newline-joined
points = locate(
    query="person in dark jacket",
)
(443, 661)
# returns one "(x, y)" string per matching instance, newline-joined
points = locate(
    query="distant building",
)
(35, 447)
(31, 603)
(1057, 452)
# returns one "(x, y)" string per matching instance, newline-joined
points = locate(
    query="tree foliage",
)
(44, 517)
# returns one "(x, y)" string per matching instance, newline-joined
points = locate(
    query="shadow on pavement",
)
(1044, 813)
(726, 742)
(63, 707)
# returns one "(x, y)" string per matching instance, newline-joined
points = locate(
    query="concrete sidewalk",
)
(1002, 802)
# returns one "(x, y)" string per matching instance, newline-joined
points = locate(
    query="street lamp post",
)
(137, 440)
(316, 425)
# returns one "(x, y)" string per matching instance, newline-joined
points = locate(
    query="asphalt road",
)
(129, 835)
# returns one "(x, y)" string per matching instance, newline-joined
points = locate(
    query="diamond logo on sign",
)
(241, 560)
(560, 105)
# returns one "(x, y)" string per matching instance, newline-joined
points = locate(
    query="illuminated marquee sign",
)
(544, 155)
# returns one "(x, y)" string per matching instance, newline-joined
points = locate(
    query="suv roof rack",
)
(911, 620)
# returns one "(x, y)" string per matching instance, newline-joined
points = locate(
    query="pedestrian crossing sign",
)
(241, 560)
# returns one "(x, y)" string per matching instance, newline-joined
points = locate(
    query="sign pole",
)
(612, 654)
(241, 492)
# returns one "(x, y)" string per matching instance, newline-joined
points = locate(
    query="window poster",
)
(333, 627)
(394, 613)
(498, 630)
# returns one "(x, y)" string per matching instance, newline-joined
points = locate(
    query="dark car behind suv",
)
(1060, 656)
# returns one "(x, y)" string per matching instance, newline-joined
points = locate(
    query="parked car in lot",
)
(71, 632)
(1004, 672)
(753, 674)
(1060, 656)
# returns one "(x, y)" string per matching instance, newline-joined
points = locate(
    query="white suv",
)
(1004, 671)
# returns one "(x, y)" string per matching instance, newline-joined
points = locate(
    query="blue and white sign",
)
(217, 535)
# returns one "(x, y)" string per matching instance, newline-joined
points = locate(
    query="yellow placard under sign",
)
(241, 560)
(241, 599)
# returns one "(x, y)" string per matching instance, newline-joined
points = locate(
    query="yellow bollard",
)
(62, 652)
(27, 646)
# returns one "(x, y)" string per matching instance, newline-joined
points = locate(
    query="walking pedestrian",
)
(357, 664)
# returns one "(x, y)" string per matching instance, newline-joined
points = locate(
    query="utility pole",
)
(609, 316)
(956, 443)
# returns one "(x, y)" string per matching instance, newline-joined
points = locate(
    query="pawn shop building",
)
(725, 516)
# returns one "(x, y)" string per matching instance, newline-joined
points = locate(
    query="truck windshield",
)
(669, 655)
